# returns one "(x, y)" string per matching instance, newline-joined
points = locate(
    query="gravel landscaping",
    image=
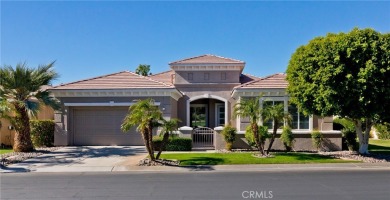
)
(159, 162)
(351, 155)
(15, 157)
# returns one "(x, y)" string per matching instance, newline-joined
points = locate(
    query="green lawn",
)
(3, 151)
(247, 158)
(379, 146)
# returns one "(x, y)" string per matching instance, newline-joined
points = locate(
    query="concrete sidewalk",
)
(208, 168)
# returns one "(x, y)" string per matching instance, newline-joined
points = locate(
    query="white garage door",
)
(101, 126)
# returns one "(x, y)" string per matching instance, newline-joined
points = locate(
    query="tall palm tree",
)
(251, 108)
(20, 91)
(277, 114)
(168, 126)
(146, 115)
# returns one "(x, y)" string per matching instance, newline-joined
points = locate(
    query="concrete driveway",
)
(82, 159)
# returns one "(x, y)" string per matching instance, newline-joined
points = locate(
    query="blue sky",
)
(92, 38)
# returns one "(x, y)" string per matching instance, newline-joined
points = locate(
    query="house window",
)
(269, 123)
(198, 115)
(206, 76)
(299, 120)
(223, 76)
(190, 76)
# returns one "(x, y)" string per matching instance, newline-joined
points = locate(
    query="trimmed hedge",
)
(174, 144)
(383, 131)
(42, 132)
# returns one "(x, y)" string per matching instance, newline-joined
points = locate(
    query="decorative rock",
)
(15, 157)
(159, 162)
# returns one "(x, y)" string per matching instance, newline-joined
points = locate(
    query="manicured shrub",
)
(229, 135)
(348, 132)
(287, 138)
(174, 144)
(383, 131)
(263, 135)
(317, 139)
(42, 132)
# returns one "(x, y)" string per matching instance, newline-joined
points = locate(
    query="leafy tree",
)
(20, 94)
(143, 70)
(250, 108)
(146, 115)
(344, 74)
(168, 126)
(277, 114)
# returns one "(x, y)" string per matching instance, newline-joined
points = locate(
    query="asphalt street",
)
(314, 184)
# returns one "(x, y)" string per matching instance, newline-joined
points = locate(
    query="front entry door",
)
(198, 115)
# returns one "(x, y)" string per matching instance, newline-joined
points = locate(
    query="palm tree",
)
(277, 114)
(251, 108)
(20, 92)
(143, 70)
(168, 126)
(146, 115)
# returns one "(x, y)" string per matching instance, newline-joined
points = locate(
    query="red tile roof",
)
(208, 59)
(120, 80)
(165, 77)
(272, 81)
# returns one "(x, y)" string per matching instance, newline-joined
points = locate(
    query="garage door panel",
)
(101, 126)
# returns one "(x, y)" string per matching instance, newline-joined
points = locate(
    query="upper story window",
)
(190, 76)
(223, 76)
(206, 76)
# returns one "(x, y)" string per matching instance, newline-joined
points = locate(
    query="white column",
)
(188, 112)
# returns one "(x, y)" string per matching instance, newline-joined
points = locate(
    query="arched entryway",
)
(207, 111)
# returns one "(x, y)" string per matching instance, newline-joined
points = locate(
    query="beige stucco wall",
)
(303, 142)
(182, 77)
(63, 134)
(323, 124)
(7, 136)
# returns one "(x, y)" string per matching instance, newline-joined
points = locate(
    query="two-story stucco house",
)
(201, 91)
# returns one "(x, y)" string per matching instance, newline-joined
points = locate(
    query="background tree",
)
(250, 108)
(167, 127)
(143, 70)
(20, 93)
(146, 115)
(345, 74)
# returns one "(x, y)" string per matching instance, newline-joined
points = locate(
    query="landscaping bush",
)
(229, 135)
(174, 144)
(287, 138)
(317, 139)
(263, 135)
(348, 132)
(383, 131)
(42, 132)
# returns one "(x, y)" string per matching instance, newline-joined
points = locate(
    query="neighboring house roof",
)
(208, 59)
(165, 77)
(273, 81)
(120, 80)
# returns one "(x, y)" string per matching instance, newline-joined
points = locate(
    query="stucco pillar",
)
(185, 132)
(219, 142)
(61, 127)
